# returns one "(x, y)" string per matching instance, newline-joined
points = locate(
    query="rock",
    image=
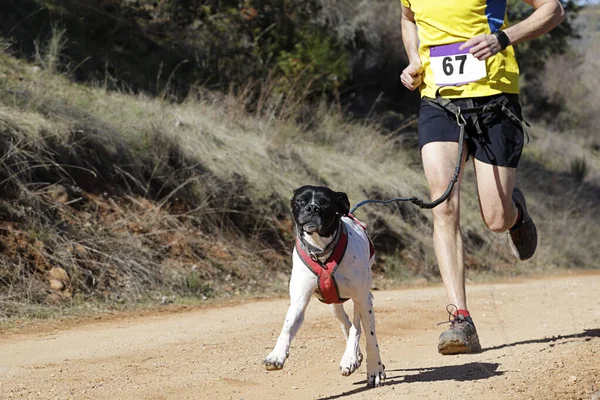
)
(58, 279)
(56, 285)
(58, 193)
(58, 274)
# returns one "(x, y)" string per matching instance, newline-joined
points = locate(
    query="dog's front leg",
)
(340, 314)
(301, 290)
(375, 368)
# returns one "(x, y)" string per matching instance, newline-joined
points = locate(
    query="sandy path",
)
(541, 340)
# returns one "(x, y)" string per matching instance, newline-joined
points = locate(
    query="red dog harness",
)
(327, 286)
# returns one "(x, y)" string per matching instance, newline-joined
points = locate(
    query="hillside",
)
(114, 198)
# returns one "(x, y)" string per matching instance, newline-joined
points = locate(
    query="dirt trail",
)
(541, 340)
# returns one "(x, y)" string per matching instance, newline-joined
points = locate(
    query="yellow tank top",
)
(443, 22)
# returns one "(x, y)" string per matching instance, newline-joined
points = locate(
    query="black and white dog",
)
(332, 259)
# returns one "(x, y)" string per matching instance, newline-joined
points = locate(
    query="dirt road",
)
(541, 340)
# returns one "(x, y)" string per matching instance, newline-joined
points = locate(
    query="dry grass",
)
(140, 176)
(139, 199)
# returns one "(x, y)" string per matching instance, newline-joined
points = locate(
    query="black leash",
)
(447, 105)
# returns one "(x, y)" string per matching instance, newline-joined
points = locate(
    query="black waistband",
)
(496, 104)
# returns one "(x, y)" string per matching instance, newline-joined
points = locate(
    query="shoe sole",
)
(455, 347)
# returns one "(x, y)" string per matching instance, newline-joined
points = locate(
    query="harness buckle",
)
(460, 119)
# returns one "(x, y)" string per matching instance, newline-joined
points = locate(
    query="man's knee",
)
(446, 212)
(498, 221)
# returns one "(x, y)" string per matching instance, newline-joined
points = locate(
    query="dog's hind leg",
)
(375, 368)
(299, 298)
(352, 357)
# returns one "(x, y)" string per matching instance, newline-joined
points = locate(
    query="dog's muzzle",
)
(310, 227)
(311, 210)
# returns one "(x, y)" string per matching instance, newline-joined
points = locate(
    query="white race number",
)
(454, 67)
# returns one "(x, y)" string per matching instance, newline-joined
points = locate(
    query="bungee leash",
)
(447, 105)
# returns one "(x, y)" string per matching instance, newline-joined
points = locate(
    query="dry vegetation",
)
(111, 198)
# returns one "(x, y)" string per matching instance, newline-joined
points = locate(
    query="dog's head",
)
(318, 209)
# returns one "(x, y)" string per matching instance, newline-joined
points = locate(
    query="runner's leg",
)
(439, 163)
(495, 187)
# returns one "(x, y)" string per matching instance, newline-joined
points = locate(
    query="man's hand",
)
(482, 46)
(412, 76)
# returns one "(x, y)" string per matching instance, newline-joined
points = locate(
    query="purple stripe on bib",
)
(455, 84)
(447, 50)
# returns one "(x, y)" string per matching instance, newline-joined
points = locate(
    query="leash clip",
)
(460, 119)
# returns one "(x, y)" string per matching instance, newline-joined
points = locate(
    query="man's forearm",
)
(546, 16)
(410, 40)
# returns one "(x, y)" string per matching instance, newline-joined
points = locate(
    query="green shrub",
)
(256, 41)
(317, 63)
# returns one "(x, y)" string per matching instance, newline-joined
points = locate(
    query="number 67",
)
(449, 68)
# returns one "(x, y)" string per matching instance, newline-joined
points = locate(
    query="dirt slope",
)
(541, 340)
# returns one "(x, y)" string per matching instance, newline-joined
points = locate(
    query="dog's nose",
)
(312, 208)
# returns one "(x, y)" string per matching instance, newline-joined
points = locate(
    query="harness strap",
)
(491, 108)
(326, 284)
(364, 226)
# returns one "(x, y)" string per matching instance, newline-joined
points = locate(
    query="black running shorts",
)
(493, 139)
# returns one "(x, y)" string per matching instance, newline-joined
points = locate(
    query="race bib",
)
(454, 67)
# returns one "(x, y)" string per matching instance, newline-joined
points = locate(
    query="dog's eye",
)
(300, 202)
(324, 203)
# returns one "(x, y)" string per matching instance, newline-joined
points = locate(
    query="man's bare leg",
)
(503, 208)
(495, 187)
(439, 163)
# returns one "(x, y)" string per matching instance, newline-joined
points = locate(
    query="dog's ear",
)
(294, 195)
(293, 205)
(292, 201)
(342, 204)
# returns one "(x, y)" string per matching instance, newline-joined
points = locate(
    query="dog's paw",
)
(273, 362)
(376, 377)
(351, 363)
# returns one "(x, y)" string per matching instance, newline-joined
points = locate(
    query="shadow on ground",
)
(586, 335)
(466, 372)
(472, 371)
